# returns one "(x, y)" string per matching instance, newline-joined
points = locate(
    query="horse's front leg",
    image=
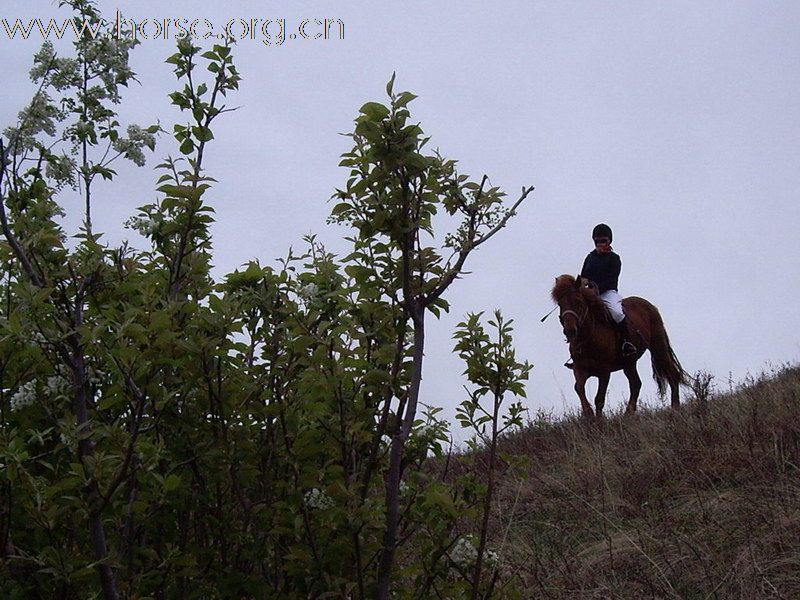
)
(580, 389)
(635, 384)
(600, 398)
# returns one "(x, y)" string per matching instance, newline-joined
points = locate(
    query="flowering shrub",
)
(167, 435)
(318, 500)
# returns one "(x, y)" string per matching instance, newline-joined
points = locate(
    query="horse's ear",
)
(578, 282)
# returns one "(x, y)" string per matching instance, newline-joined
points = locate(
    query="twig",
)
(12, 240)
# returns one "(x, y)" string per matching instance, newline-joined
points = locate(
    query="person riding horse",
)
(594, 338)
(602, 267)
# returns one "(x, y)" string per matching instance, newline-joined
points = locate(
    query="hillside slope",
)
(703, 502)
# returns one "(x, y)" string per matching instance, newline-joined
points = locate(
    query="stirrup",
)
(628, 349)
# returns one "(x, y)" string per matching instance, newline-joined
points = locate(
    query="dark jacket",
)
(603, 269)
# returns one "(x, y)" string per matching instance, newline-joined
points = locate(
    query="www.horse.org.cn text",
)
(270, 32)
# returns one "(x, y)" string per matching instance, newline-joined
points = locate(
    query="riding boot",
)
(628, 349)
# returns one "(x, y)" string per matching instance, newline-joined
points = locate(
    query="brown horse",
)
(596, 347)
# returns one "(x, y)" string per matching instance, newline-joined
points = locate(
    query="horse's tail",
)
(666, 367)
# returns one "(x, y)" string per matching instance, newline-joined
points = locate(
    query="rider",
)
(602, 266)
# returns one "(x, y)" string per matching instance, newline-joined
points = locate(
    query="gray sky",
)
(676, 123)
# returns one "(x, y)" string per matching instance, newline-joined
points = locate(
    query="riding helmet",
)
(602, 230)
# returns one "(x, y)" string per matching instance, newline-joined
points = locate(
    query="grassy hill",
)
(703, 502)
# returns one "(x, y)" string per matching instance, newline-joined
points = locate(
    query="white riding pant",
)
(613, 301)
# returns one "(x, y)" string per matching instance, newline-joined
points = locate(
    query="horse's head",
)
(572, 304)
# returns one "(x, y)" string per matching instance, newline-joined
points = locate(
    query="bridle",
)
(575, 344)
(579, 318)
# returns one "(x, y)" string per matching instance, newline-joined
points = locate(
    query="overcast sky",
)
(674, 122)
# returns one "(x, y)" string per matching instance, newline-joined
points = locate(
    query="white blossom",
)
(130, 150)
(318, 500)
(141, 136)
(61, 169)
(113, 53)
(56, 385)
(310, 291)
(464, 553)
(147, 226)
(132, 147)
(40, 115)
(24, 396)
(83, 129)
(42, 61)
(425, 431)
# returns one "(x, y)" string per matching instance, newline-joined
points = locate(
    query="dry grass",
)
(703, 502)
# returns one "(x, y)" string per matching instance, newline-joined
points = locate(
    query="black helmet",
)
(602, 230)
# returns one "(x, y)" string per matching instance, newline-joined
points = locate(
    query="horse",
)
(596, 347)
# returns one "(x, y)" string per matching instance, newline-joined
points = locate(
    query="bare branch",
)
(456, 270)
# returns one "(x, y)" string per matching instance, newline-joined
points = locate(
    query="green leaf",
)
(390, 85)
(340, 208)
(171, 483)
(416, 161)
(438, 497)
(376, 377)
(177, 191)
(203, 134)
(375, 111)
(403, 99)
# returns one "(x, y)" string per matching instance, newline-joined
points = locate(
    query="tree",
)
(493, 368)
(391, 198)
(165, 435)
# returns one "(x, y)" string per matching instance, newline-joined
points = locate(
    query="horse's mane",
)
(565, 285)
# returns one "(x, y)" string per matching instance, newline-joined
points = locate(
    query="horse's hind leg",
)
(675, 393)
(580, 389)
(635, 383)
(600, 398)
